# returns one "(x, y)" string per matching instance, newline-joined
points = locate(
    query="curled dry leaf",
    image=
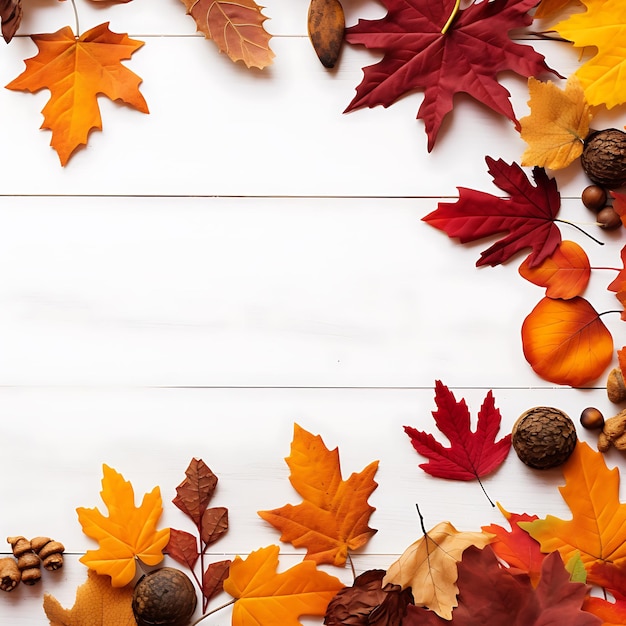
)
(236, 27)
(566, 342)
(557, 125)
(11, 16)
(565, 273)
(368, 603)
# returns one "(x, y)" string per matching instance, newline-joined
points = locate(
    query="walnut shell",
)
(164, 597)
(604, 157)
(544, 437)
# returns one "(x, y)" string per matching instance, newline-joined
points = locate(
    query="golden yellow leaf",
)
(429, 566)
(97, 604)
(76, 70)
(127, 532)
(557, 125)
(548, 9)
(603, 27)
(266, 597)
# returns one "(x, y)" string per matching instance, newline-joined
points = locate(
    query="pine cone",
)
(604, 157)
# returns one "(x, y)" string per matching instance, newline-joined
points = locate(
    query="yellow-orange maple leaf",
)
(127, 532)
(266, 597)
(548, 9)
(557, 125)
(76, 70)
(334, 514)
(429, 566)
(597, 530)
(97, 604)
(601, 26)
(236, 27)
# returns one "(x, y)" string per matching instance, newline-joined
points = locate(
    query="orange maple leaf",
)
(236, 27)
(97, 604)
(76, 70)
(333, 517)
(564, 274)
(266, 597)
(597, 530)
(566, 342)
(550, 8)
(127, 532)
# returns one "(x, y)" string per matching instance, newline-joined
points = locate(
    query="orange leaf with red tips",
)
(76, 71)
(565, 273)
(619, 205)
(334, 514)
(566, 342)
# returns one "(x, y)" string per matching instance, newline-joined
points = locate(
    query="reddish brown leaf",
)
(566, 342)
(619, 205)
(610, 577)
(565, 273)
(466, 59)
(527, 216)
(195, 492)
(214, 524)
(472, 454)
(214, 577)
(11, 16)
(183, 547)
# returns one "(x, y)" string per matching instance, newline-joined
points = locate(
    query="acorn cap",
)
(543, 437)
(164, 597)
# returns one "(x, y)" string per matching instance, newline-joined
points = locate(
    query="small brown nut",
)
(604, 157)
(165, 596)
(594, 197)
(615, 386)
(544, 437)
(608, 218)
(591, 418)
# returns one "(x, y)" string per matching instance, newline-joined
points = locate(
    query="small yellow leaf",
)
(557, 125)
(97, 604)
(127, 532)
(429, 566)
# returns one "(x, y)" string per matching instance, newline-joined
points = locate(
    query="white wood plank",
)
(217, 129)
(258, 292)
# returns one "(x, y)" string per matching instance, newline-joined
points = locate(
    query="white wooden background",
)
(245, 257)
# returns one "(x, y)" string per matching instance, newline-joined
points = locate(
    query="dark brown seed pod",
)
(543, 437)
(326, 26)
(164, 597)
(594, 197)
(604, 157)
(591, 418)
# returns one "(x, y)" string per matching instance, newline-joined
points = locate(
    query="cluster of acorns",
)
(604, 161)
(27, 560)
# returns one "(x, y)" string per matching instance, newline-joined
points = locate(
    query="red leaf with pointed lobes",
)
(471, 455)
(528, 215)
(466, 59)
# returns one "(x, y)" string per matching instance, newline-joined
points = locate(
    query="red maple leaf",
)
(528, 215)
(471, 455)
(491, 594)
(466, 58)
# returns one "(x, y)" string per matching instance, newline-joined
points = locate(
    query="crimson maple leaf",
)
(528, 215)
(471, 455)
(424, 50)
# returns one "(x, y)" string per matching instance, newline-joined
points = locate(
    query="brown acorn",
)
(326, 26)
(604, 157)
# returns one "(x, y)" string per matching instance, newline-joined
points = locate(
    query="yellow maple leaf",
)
(334, 514)
(601, 26)
(97, 604)
(557, 125)
(266, 597)
(548, 9)
(76, 70)
(429, 566)
(597, 530)
(128, 532)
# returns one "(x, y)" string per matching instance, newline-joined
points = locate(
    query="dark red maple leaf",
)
(466, 58)
(490, 594)
(472, 454)
(528, 215)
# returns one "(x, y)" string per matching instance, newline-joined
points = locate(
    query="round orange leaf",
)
(566, 342)
(564, 274)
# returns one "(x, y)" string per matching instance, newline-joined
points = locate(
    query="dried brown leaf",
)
(214, 524)
(195, 492)
(214, 577)
(183, 547)
(11, 16)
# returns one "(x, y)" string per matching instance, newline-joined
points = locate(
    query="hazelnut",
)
(608, 218)
(591, 418)
(543, 437)
(615, 387)
(604, 157)
(166, 597)
(594, 197)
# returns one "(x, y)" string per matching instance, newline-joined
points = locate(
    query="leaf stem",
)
(417, 506)
(611, 311)
(455, 10)
(484, 491)
(215, 610)
(351, 566)
(76, 19)
(612, 269)
(582, 230)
